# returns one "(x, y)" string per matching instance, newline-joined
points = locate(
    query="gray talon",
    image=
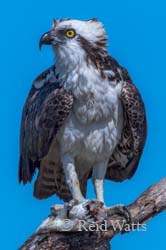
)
(122, 211)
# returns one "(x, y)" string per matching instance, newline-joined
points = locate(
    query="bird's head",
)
(75, 40)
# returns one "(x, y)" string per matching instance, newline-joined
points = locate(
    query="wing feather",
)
(44, 113)
(125, 158)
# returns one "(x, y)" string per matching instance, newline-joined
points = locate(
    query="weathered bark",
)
(60, 231)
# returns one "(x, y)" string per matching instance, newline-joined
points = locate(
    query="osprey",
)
(83, 118)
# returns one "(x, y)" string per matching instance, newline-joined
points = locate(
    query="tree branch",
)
(91, 226)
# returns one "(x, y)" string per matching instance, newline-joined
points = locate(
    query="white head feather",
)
(91, 30)
(89, 34)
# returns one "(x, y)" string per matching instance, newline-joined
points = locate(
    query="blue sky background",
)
(137, 38)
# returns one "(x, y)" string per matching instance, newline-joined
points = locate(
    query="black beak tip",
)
(45, 39)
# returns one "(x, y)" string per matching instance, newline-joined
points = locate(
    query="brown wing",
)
(45, 111)
(124, 161)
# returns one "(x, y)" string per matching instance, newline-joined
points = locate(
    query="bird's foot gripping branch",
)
(90, 215)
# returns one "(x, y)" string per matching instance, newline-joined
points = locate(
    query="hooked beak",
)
(46, 39)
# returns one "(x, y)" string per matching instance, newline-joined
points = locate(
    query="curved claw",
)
(121, 210)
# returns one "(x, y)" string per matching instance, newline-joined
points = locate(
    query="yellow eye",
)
(70, 33)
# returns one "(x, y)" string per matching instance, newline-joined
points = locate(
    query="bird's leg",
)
(72, 178)
(98, 176)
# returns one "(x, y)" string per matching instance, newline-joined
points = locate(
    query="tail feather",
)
(51, 181)
(45, 183)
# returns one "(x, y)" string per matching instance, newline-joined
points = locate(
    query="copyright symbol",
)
(67, 225)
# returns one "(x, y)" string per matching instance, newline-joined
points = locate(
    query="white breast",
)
(94, 126)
